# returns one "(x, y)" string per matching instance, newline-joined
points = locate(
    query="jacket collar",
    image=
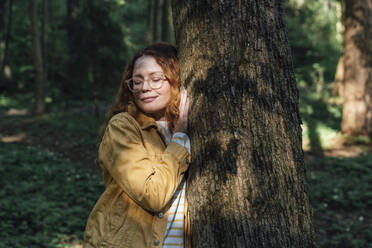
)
(143, 120)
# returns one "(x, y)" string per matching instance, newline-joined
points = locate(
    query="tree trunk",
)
(2, 33)
(7, 37)
(44, 35)
(165, 21)
(357, 110)
(338, 84)
(155, 21)
(37, 57)
(246, 184)
(2, 15)
(149, 37)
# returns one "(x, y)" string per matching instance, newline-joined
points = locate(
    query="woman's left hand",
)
(181, 124)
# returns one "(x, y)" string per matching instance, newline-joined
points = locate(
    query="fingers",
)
(187, 105)
(183, 100)
(181, 124)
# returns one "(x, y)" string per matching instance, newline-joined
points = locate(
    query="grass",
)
(321, 120)
(45, 199)
(341, 196)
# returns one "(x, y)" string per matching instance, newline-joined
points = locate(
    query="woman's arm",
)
(148, 180)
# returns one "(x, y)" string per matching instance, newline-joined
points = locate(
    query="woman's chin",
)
(152, 110)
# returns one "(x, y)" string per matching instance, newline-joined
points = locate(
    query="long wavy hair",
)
(166, 56)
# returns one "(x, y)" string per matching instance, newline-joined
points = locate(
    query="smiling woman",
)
(153, 97)
(144, 155)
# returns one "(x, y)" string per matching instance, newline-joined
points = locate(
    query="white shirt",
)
(174, 234)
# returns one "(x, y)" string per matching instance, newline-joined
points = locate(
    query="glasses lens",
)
(157, 81)
(130, 84)
(135, 84)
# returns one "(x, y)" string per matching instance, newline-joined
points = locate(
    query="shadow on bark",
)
(246, 184)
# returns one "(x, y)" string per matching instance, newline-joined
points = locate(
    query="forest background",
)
(61, 65)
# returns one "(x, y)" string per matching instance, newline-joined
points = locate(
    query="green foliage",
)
(44, 199)
(314, 39)
(87, 46)
(321, 119)
(340, 194)
(16, 101)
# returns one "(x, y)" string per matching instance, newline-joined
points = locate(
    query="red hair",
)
(166, 56)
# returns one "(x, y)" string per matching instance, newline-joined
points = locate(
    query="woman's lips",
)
(148, 99)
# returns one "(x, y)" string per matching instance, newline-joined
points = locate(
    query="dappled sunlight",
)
(19, 112)
(69, 241)
(346, 152)
(12, 138)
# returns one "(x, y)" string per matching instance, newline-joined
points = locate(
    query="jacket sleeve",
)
(148, 179)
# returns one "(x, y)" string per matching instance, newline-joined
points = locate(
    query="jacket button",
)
(161, 215)
(156, 242)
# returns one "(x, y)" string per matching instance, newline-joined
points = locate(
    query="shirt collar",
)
(143, 120)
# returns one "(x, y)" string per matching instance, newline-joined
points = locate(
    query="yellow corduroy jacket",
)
(141, 175)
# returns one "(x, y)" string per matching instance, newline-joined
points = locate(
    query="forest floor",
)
(338, 177)
(72, 134)
(49, 132)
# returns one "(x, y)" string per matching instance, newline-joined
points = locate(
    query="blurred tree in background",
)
(84, 45)
(357, 110)
(314, 34)
(37, 55)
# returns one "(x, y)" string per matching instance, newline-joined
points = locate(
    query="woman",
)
(144, 155)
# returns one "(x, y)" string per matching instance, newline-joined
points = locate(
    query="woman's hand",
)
(181, 124)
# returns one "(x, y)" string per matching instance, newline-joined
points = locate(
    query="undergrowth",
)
(45, 200)
(341, 197)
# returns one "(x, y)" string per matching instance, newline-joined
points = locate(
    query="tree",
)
(39, 93)
(155, 20)
(338, 85)
(165, 21)
(44, 48)
(149, 19)
(357, 109)
(246, 184)
(7, 36)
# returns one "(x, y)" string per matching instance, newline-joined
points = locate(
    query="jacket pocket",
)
(118, 212)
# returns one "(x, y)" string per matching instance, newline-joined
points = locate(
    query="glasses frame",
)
(163, 78)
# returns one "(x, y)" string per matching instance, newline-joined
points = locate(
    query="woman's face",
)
(151, 101)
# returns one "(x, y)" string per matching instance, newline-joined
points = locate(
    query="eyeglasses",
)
(155, 82)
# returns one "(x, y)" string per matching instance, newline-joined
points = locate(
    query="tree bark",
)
(165, 21)
(39, 107)
(149, 36)
(155, 21)
(357, 110)
(246, 184)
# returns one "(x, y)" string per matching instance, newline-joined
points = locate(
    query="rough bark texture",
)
(357, 110)
(39, 107)
(246, 184)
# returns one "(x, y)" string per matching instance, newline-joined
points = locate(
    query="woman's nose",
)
(146, 86)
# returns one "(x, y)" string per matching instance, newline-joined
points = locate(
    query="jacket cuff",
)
(182, 139)
(180, 153)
